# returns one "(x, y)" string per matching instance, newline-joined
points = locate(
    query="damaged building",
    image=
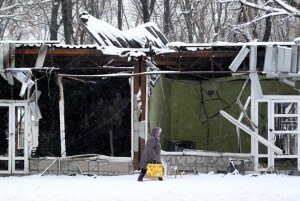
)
(69, 109)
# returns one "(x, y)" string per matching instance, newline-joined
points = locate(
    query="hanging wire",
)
(49, 78)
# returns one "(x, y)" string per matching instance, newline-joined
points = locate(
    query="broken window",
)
(4, 131)
(19, 130)
(98, 116)
(4, 136)
(48, 125)
(10, 92)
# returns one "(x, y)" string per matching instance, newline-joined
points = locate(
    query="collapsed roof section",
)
(139, 37)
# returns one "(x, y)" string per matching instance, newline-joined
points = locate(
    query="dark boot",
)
(142, 174)
(160, 178)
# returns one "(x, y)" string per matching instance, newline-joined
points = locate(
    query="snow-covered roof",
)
(138, 37)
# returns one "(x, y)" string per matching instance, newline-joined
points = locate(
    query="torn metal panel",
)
(6, 55)
(34, 143)
(271, 60)
(294, 61)
(4, 58)
(35, 110)
(10, 78)
(288, 59)
(36, 113)
(35, 96)
(24, 87)
(239, 58)
(22, 75)
(268, 64)
(284, 59)
(251, 132)
(41, 56)
(12, 52)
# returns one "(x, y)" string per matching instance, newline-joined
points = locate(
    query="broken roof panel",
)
(138, 37)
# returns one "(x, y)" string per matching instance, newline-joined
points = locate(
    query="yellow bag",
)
(154, 170)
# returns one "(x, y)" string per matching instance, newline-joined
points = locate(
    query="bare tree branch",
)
(287, 7)
(19, 5)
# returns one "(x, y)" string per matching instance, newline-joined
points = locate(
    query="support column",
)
(139, 124)
(62, 117)
(254, 95)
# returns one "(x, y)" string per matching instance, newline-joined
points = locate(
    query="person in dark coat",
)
(151, 152)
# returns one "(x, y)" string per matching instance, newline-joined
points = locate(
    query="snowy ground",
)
(203, 187)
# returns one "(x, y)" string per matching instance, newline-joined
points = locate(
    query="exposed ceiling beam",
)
(58, 51)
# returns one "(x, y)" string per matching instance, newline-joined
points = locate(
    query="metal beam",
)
(153, 73)
(239, 58)
(239, 120)
(200, 53)
(60, 51)
(41, 56)
(251, 132)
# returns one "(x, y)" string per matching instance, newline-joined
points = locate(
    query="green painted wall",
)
(189, 110)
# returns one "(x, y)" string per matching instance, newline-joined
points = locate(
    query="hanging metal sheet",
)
(268, 64)
(239, 58)
(4, 58)
(294, 61)
(284, 59)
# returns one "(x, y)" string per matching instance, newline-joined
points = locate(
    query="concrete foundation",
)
(204, 162)
(67, 166)
(188, 161)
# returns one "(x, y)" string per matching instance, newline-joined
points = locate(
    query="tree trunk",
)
(151, 8)
(217, 22)
(1, 3)
(120, 5)
(188, 20)
(268, 28)
(92, 7)
(167, 17)
(66, 8)
(146, 16)
(53, 24)
(147, 10)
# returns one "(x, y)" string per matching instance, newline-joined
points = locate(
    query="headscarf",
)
(155, 131)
